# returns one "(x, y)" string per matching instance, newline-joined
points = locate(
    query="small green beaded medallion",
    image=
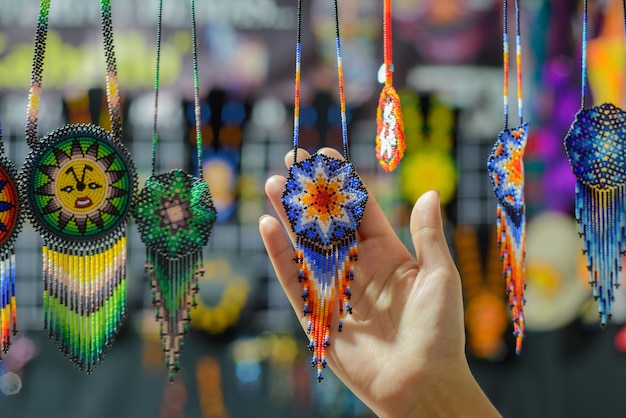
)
(175, 216)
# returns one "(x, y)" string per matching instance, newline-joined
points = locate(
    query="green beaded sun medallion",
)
(175, 215)
(79, 183)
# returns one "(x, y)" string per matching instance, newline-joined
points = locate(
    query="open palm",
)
(405, 335)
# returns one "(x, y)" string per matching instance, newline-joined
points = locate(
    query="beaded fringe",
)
(84, 299)
(325, 274)
(8, 307)
(174, 283)
(602, 222)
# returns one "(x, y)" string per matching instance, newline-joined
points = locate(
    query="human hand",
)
(402, 351)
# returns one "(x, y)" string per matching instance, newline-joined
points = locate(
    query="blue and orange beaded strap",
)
(324, 200)
(597, 153)
(390, 138)
(10, 226)
(505, 166)
(80, 183)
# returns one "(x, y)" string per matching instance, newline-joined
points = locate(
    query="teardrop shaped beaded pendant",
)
(505, 166)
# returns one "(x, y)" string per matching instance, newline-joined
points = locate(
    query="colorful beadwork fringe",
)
(174, 283)
(597, 153)
(8, 307)
(84, 300)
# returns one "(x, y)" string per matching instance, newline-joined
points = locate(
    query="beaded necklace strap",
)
(583, 72)
(518, 59)
(196, 85)
(584, 63)
(296, 102)
(112, 84)
(342, 98)
(387, 47)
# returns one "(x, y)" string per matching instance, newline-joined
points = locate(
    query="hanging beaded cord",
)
(10, 227)
(595, 147)
(324, 200)
(175, 215)
(80, 181)
(390, 140)
(506, 170)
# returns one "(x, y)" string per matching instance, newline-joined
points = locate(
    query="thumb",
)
(431, 248)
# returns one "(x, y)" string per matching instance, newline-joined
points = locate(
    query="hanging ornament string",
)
(595, 147)
(324, 200)
(79, 182)
(505, 166)
(175, 215)
(390, 140)
(10, 227)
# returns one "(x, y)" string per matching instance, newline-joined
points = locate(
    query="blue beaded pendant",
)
(324, 199)
(596, 148)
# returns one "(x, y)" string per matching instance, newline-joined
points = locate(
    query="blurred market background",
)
(246, 355)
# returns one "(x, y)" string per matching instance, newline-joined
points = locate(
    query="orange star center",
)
(323, 200)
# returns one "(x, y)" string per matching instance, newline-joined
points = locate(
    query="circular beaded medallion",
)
(80, 184)
(10, 211)
(175, 213)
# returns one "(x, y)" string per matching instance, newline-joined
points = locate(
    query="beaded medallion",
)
(324, 200)
(79, 182)
(10, 227)
(597, 153)
(505, 166)
(79, 185)
(175, 216)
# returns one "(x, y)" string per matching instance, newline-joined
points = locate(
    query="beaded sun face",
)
(80, 185)
(597, 153)
(324, 200)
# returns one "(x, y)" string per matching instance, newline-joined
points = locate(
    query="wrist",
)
(452, 392)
